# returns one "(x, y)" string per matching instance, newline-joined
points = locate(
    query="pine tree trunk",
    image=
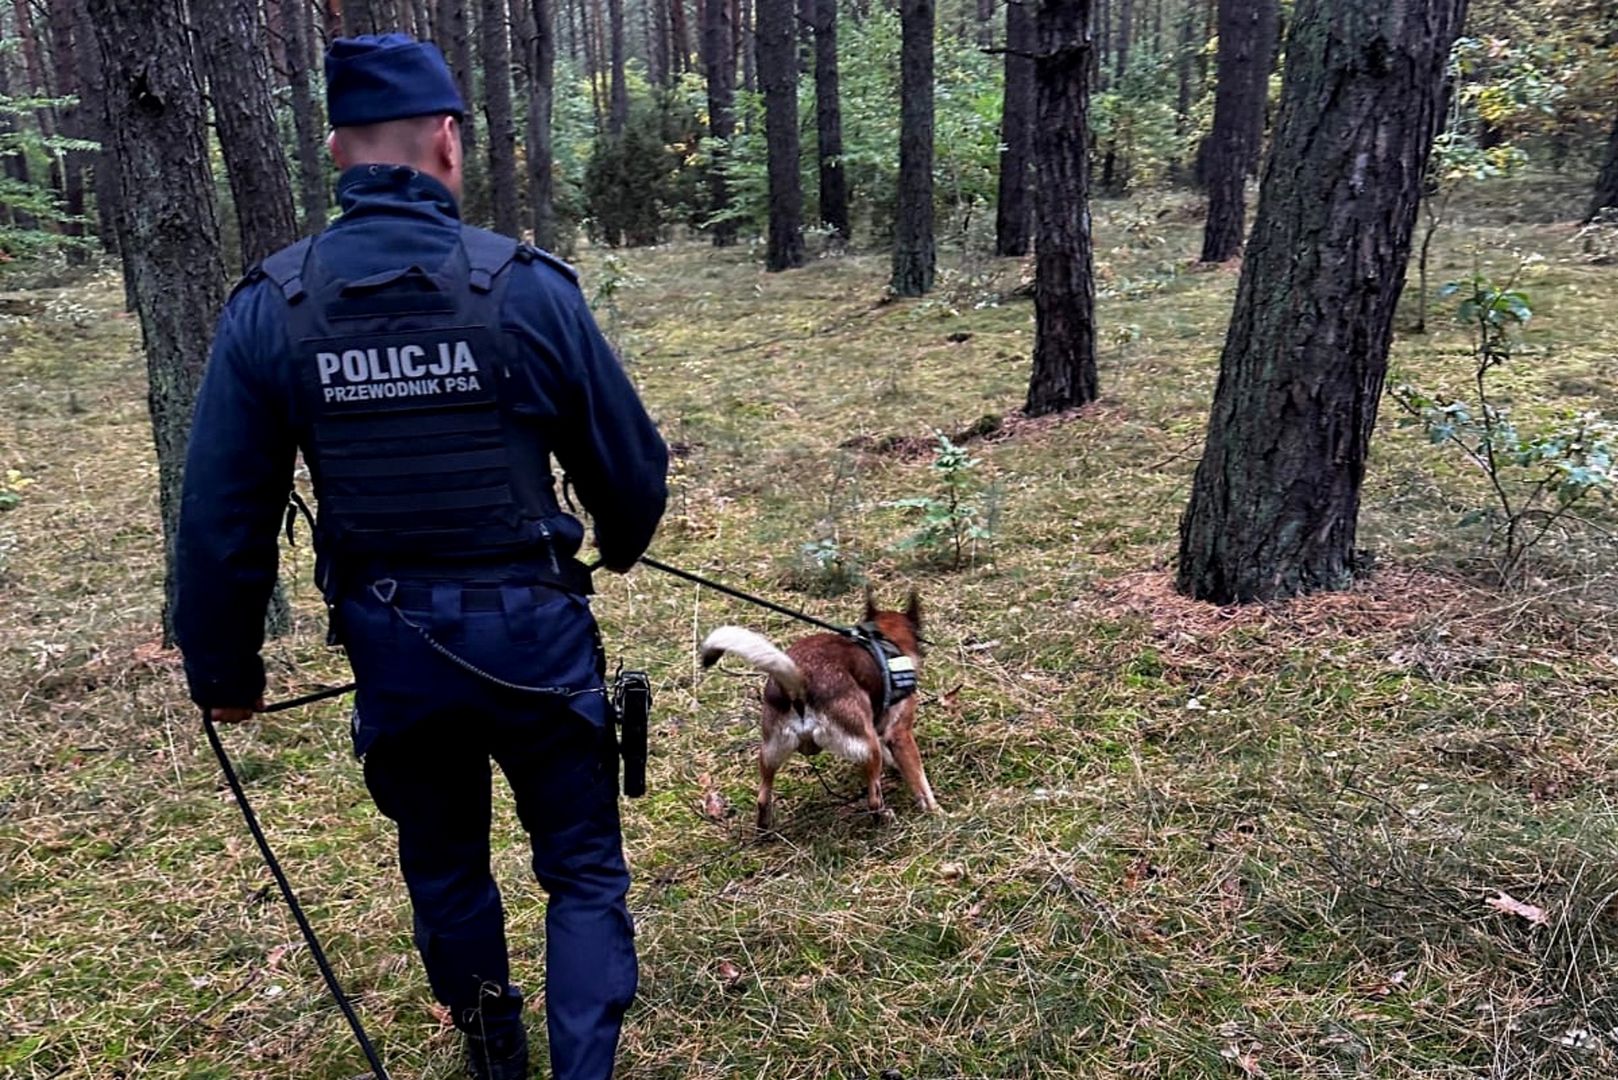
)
(914, 255)
(40, 84)
(805, 21)
(829, 121)
(777, 63)
(170, 228)
(454, 27)
(93, 111)
(1183, 62)
(231, 36)
(536, 26)
(749, 44)
(719, 46)
(313, 185)
(1013, 212)
(592, 18)
(1269, 54)
(16, 165)
(681, 32)
(1275, 502)
(574, 38)
(1115, 169)
(74, 118)
(422, 13)
(1103, 41)
(659, 62)
(495, 49)
(1064, 374)
(1244, 55)
(1126, 26)
(618, 107)
(1606, 193)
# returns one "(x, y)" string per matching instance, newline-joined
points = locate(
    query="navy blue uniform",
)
(407, 433)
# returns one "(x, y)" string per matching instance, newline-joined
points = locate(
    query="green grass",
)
(1178, 842)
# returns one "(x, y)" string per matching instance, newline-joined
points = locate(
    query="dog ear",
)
(870, 605)
(913, 610)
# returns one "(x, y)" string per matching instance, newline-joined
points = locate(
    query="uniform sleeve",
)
(238, 471)
(610, 448)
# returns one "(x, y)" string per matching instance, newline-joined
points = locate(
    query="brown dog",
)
(825, 693)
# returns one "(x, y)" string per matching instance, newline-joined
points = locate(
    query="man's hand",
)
(236, 714)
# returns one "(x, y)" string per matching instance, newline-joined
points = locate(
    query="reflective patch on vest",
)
(418, 369)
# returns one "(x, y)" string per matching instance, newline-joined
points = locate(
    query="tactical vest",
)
(399, 382)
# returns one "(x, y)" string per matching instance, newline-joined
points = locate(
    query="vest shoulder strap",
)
(285, 269)
(487, 254)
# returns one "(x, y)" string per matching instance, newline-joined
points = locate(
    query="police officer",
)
(428, 370)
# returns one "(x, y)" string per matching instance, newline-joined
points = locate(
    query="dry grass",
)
(1179, 841)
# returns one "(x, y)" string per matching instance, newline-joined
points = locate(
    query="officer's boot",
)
(496, 1041)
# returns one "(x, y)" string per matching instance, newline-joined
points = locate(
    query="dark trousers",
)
(433, 777)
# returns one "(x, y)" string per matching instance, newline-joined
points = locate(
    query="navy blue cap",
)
(375, 78)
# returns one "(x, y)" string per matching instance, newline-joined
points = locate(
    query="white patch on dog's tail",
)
(757, 650)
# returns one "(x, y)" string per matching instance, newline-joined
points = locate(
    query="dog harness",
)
(897, 668)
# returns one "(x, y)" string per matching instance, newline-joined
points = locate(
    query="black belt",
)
(473, 597)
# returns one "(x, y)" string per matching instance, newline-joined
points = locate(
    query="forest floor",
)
(1177, 841)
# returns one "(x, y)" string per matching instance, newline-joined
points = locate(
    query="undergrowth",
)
(1177, 842)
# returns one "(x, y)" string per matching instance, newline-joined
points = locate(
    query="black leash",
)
(378, 1071)
(675, 571)
(308, 699)
(844, 631)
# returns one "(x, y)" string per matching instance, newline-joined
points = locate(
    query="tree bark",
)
(829, 121)
(591, 17)
(748, 41)
(1126, 26)
(659, 58)
(41, 84)
(170, 228)
(1115, 171)
(372, 16)
(313, 183)
(914, 255)
(1275, 502)
(778, 66)
(16, 165)
(719, 45)
(93, 110)
(1064, 374)
(1013, 211)
(537, 23)
(454, 29)
(495, 49)
(679, 29)
(1239, 95)
(986, 23)
(805, 20)
(231, 33)
(74, 118)
(618, 109)
(1606, 193)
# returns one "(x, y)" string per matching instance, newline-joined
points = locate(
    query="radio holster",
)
(632, 705)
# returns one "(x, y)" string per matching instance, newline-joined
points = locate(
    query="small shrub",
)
(1538, 482)
(825, 568)
(956, 517)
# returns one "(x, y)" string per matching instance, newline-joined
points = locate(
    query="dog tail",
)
(757, 650)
